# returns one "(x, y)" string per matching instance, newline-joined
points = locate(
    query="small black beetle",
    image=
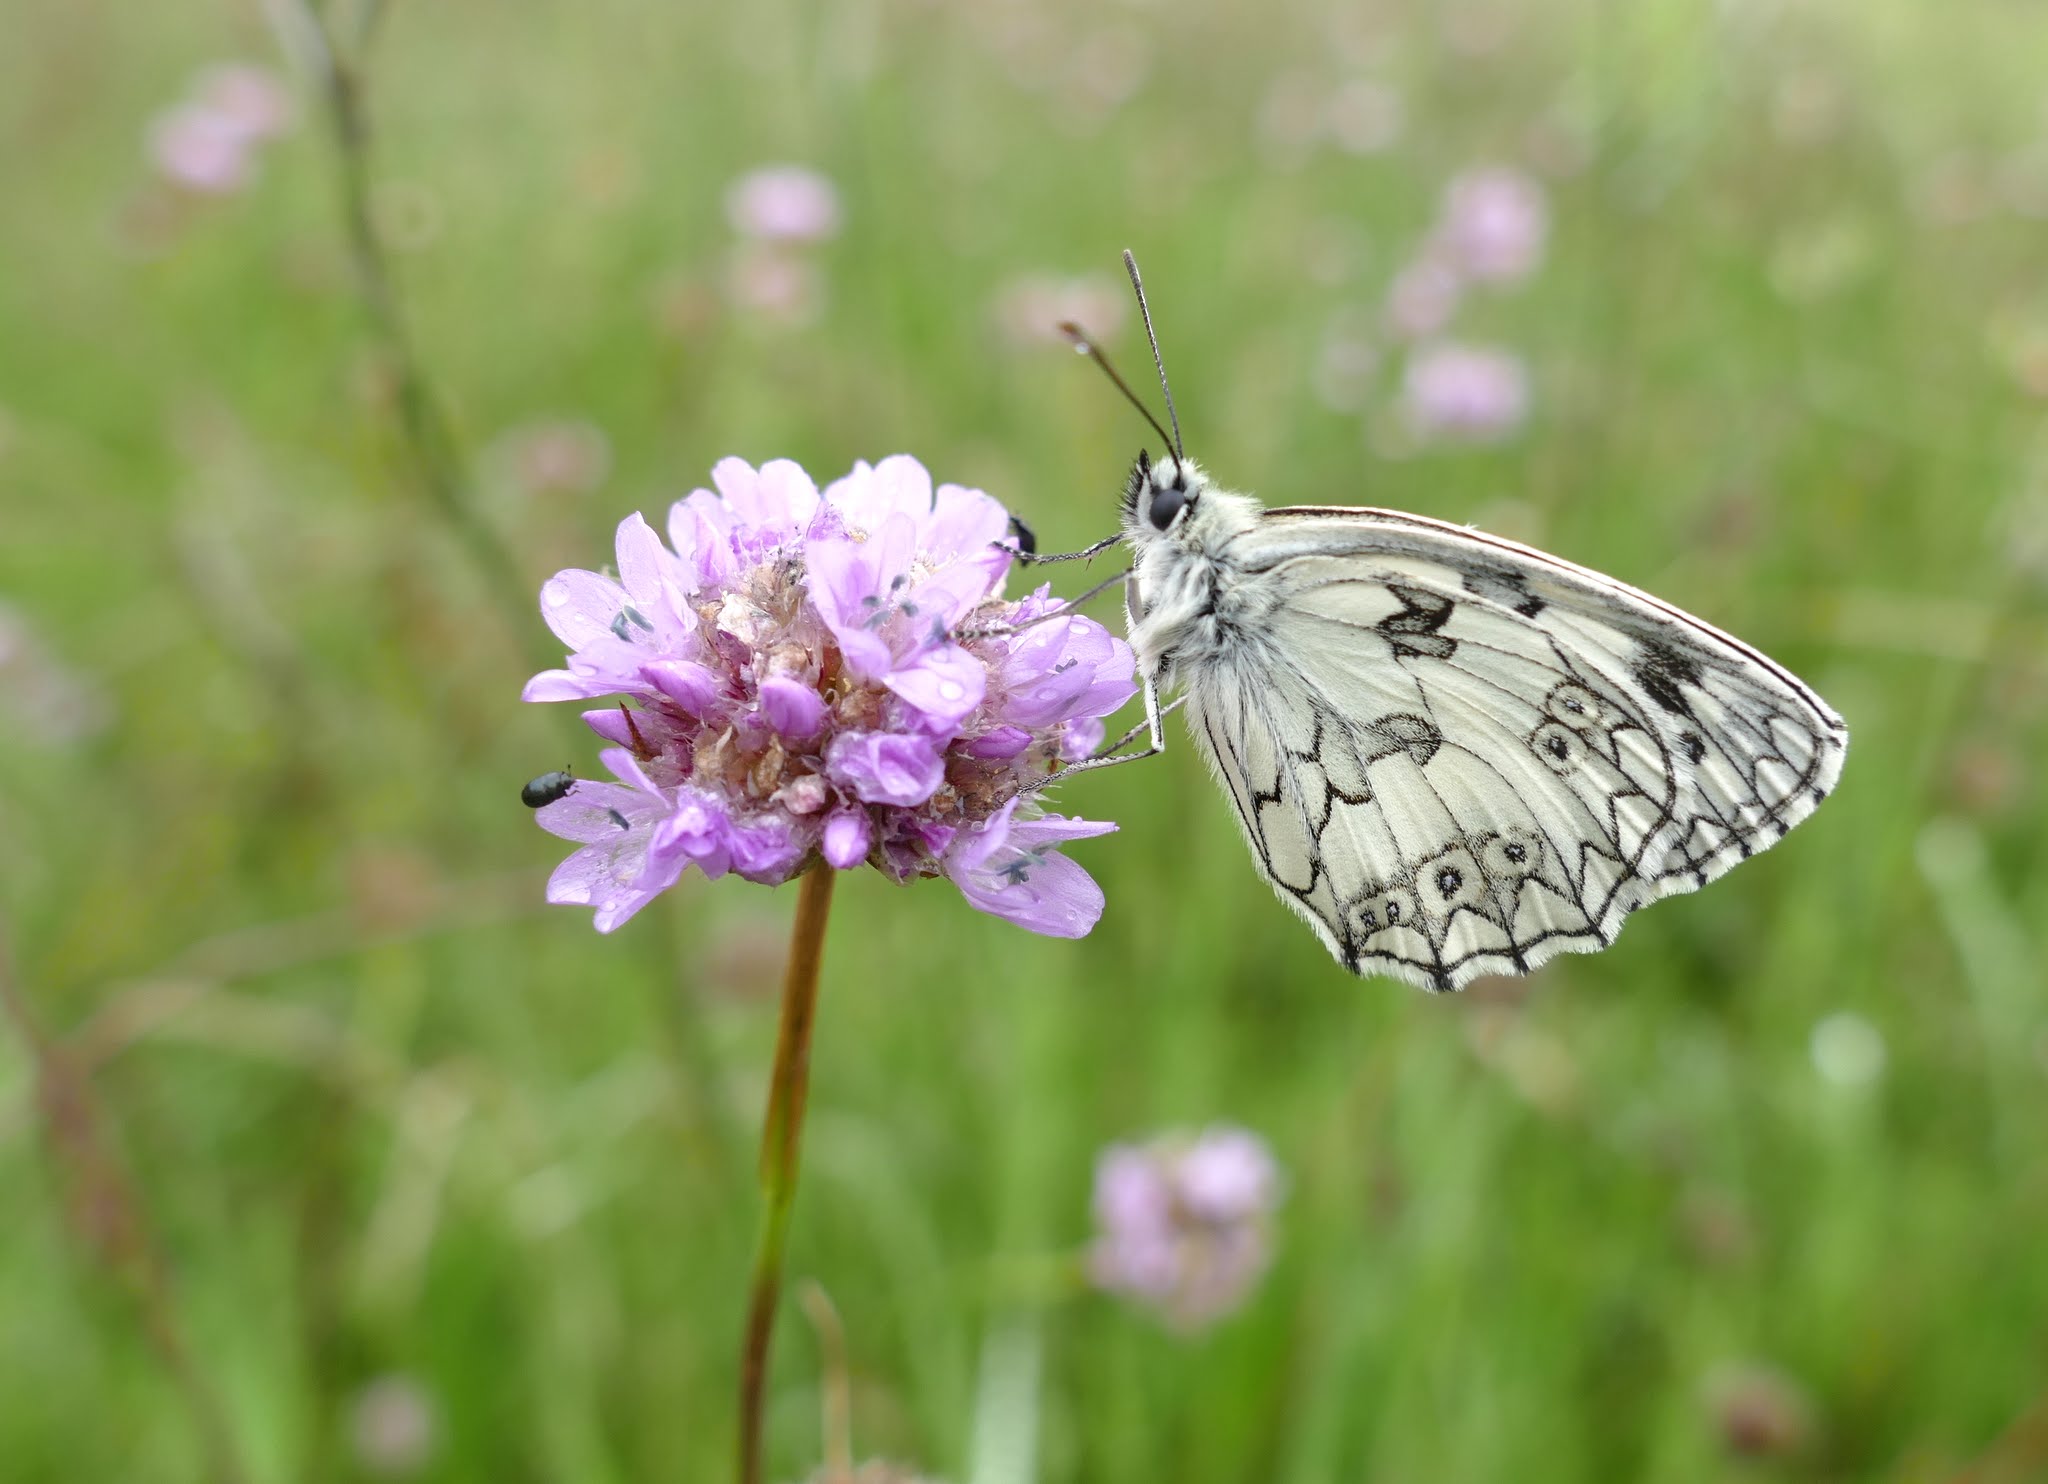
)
(546, 789)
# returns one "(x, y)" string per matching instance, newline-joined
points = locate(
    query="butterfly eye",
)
(1166, 504)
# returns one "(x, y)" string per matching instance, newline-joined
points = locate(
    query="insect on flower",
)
(827, 676)
(539, 792)
(1450, 754)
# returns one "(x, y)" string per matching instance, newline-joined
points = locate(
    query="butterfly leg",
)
(1000, 630)
(1024, 555)
(1155, 741)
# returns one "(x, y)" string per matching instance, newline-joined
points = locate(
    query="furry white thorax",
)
(1187, 602)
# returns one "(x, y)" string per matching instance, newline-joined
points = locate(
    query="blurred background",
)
(329, 1152)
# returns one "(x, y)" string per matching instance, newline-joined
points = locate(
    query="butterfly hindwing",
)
(1457, 756)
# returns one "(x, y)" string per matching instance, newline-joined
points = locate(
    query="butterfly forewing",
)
(1456, 756)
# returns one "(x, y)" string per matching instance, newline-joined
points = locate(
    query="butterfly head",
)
(1157, 497)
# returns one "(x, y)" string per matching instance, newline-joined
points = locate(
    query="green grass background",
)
(384, 1113)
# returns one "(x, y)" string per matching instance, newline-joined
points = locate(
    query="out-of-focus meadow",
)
(341, 1147)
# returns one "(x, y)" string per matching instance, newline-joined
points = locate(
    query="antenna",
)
(1089, 349)
(1138, 288)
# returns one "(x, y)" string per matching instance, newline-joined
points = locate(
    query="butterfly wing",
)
(1455, 755)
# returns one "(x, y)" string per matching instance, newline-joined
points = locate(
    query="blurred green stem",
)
(438, 466)
(106, 1212)
(782, 1131)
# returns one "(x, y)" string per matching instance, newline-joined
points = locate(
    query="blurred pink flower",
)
(201, 149)
(1493, 224)
(783, 203)
(1465, 393)
(1183, 1222)
(1030, 308)
(207, 142)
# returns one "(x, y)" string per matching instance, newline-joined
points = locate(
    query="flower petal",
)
(654, 580)
(698, 832)
(694, 687)
(1041, 892)
(1009, 869)
(1000, 745)
(793, 708)
(885, 767)
(856, 586)
(944, 685)
(849, 834)
(590, 812)
(871, 494)
(766, 849)
(567, 685)
(785, 486)
(580, 606)
(612, 724)
(965, 522)
(1080, 737)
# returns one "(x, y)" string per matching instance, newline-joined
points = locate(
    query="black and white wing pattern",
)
(1455, 755)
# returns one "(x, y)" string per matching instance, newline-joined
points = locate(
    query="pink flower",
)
(1465, 393)
(202, 149)
(1493, 225)
(783, 203)
(1183, 1222)
(208, 142)
(829, 676)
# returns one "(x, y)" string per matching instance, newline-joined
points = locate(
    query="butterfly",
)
(1453, 755)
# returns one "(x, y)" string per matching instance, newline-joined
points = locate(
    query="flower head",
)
(1465, 393)
(201, 149)
(1182, 1222)
(827, 676)
(207, 143)
(783, 203)
(1493, 224)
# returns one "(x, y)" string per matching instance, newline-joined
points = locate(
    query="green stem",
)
(108, 1214)
(782, 1130)
(429, 443)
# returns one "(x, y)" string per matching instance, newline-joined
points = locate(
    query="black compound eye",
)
(1166, 504)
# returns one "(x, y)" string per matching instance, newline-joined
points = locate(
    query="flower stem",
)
(107, 1213)
(428, 440)
(782, 1130)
